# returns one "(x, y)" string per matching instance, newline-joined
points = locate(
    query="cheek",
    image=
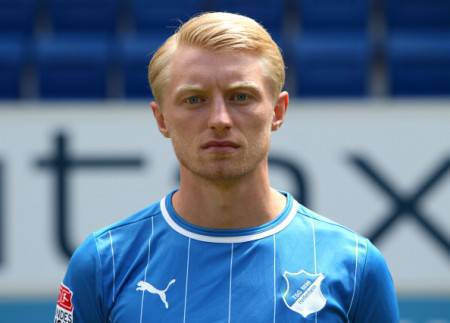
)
(262, 124)
(258, 132)
(175, 125)
(182, 133)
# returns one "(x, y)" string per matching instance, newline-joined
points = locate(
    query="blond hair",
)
(218, 31)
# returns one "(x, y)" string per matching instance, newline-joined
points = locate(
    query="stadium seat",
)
(332, 56)
(334, 15)
(417, 14)
(135, 52)
(331, 65)
(12, 60)
(419, 63)
(418, 47)
(17, 16)
(73, 66)
(269, 13)
(164, 16)
(84, 16)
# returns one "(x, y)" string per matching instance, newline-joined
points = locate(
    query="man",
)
(225, 246)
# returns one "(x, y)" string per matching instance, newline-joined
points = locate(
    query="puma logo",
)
(143, 285)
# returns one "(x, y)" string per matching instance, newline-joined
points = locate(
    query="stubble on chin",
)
(224, 168)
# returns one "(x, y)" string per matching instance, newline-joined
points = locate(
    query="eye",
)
(194, 99)
(240, 97)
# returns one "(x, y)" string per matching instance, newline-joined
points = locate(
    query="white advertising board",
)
(66, 170)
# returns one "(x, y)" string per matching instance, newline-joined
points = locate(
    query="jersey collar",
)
(189, 230)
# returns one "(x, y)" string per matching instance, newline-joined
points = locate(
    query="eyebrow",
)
(233, 86)
(188, 88)
(244, 84)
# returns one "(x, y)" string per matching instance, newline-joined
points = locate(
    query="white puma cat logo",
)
(143, 285)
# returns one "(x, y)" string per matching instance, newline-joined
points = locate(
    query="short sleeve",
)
(377, 301)
(80, 294)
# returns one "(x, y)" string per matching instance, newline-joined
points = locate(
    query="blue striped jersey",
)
(156, 267)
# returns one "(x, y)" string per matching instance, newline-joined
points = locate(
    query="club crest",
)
(303, 294)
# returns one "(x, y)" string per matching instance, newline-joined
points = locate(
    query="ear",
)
(279, 110)
(159, 117)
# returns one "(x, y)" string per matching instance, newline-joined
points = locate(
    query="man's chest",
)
(231, 283)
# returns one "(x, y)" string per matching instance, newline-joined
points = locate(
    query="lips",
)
(220, 144)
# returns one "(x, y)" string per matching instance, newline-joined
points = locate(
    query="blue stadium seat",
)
(417, 14)
(331, 65)
(332, 57)
(135, 52)
(84, 16)
(164, 16)
(12, 60)
(334, 14)
(418, 47)
(419, 63)
(269, 13)
(17, 16)
(73, 66)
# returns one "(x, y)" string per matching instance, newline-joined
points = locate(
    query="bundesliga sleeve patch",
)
(64, 306)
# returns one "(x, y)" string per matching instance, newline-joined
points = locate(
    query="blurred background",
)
(366, 142)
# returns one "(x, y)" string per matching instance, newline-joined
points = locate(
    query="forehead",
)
(194, 65)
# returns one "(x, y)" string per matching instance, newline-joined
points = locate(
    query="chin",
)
(224, 173)
(221, 169)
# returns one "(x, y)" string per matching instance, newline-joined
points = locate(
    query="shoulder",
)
(137, 219)
(341, 244)
(329, 230)
(370, 283)
(97, 248)
(95, 263)
(345, 242)
(91, 247)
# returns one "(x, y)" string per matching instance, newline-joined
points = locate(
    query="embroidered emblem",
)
(303, 294)
(64, 306)
(144, 286)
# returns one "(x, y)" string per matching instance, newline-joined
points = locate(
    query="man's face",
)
(219, 111)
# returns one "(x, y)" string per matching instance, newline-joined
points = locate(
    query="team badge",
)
(303, 294)
(64, 306)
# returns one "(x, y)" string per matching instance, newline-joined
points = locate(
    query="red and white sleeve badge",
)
(64, 306)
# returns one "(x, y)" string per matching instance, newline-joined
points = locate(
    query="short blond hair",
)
(219, 31)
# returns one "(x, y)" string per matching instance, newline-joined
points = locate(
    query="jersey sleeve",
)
(377, 301)
(80, 294)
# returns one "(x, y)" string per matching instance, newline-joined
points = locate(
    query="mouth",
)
(220, 146)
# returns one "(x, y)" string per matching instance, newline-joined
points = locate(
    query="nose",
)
(219, 117)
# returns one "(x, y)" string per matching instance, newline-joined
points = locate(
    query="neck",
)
(241, 203)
